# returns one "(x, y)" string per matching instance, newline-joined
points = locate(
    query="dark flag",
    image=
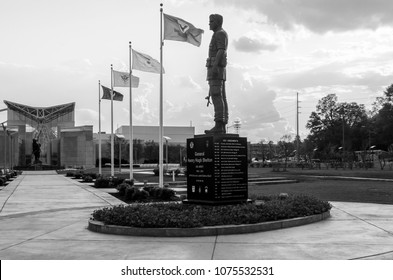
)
(107, 94)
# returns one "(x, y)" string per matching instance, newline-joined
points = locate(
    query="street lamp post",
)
(166, 149)
(120, 136)
(372, 153)
(5, 144)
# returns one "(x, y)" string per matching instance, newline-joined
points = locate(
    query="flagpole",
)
(99, 129)
(131, 127)
(161, 149)
(112, 137)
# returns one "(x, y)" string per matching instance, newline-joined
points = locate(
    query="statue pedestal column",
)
(217, 169)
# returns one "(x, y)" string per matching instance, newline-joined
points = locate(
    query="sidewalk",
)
(44, 215)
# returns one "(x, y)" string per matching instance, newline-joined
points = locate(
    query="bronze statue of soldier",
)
(216, 74)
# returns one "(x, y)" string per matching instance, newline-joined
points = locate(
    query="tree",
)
(117, 143)
(151, 152)
(383, 120)
(336, 124)
(271, 152)
(380, 101)
(286, 147)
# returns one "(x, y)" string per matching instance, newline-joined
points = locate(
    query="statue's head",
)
(215, 21)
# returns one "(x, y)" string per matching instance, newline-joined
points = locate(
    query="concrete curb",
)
(100, 227)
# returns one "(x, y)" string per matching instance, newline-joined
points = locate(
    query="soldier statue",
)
(216, 74)
(36, 151)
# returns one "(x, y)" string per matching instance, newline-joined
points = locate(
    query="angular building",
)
(53, 131)
(61, 143)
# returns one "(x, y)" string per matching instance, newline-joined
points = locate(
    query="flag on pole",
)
(107, 94)
(177, 29)
(146, 63)
(121, 79)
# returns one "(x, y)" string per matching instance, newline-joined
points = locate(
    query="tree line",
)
(338, 129)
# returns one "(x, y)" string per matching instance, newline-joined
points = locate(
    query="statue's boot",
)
(219, 128)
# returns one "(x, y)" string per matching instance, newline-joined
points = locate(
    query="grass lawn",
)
(139, 177)
(331, 189)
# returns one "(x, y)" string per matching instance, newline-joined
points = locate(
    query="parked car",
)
(169, 172)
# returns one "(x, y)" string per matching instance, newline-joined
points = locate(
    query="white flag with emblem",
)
(121, 79)
(177, 29)
(146, 63)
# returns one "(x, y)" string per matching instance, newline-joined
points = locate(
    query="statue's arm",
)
(219, 57)
(221, 44)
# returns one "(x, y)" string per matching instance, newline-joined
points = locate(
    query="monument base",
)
(217, 169)
(215, 203)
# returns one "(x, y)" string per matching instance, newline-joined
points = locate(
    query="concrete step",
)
(253, 179)
(274, 182)
(177, 183)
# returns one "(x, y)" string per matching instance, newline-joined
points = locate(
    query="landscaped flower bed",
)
(179, 215)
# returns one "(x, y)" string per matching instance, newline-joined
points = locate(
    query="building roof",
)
(41, 114)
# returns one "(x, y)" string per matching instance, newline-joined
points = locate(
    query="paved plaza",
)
(45, 215)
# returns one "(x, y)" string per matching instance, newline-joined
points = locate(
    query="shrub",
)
(129, 182)
(140, 195)
(180, 215)
(78, 175)
(154, 191)
(2, 182)
(135, 194)
(129, 192)
(87, 179)
(115, 181)
(70, 174)
(161, 193)
(149, 189)
(167, 194)
(102, 183)
(122, 188)
(92, 175)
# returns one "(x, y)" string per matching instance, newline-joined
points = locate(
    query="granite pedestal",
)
(217, 169)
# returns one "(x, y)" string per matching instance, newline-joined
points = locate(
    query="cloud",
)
(251, 101)
(256, 41)
(86, 116)
(334, 74)
(247, 44)
(186, 82)
(321, 16)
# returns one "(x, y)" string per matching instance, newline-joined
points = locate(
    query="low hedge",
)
(108, 182)
(102, 183)
(179, 215)
(130, 193)
(87, 179)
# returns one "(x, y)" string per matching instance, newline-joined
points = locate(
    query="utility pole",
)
(297, 127)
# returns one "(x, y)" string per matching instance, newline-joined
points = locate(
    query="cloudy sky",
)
(55, 51)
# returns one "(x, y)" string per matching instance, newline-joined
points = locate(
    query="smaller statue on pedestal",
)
(36, 151)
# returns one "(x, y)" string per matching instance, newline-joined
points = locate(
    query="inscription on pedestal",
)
(217, 169)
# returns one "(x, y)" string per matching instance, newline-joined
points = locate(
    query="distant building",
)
(141, 134)
(178, 134)
(61, 142)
